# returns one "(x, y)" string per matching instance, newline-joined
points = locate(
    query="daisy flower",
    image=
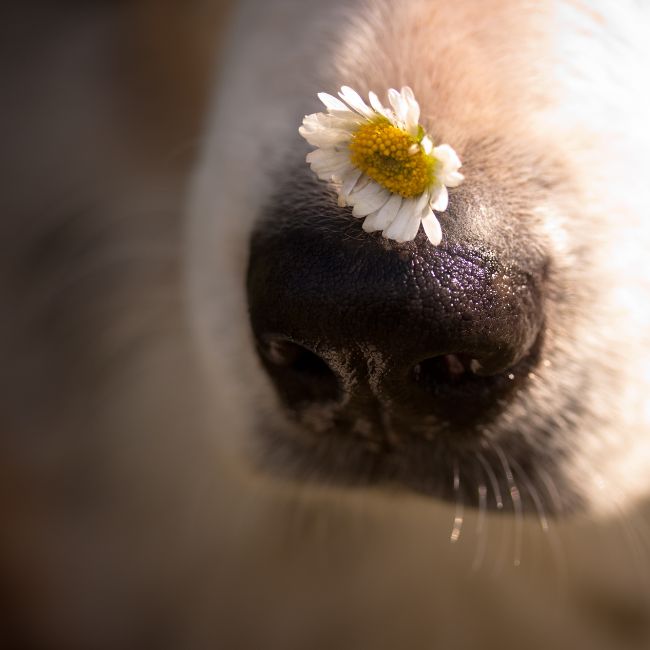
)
(382, 162)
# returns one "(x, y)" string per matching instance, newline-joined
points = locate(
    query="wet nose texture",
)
(407, 329)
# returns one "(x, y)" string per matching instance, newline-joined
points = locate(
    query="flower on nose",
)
(382, 162)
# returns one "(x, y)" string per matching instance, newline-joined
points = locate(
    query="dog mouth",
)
(481, 474)
(453, 448)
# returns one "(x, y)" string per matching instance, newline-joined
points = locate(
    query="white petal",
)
(401, 222)
(323, 166)
(353, 98)
(418, 207)
(328, 174)
(351, 117)
(412, 111)
(452, 179)
(317, 121)
(411, 229)
(422, 202)
(327, 156)
(371, 203)
(324, 137)
(332, 163)
(350, 180)
(376, 104)
(409, 97)
(440, 199)
(399, 104)
(363, 197)
(382, 110)
(448, 157)
(370, 222)
(365, 190)
(427, 144)
(332, 103)
(363, 182)
(323, 130)
(385, 216)
(331, 173)
(327, 164)
(432, 228)
(349, 123)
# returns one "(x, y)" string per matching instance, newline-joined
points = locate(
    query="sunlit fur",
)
(557, 89)
(555, 92)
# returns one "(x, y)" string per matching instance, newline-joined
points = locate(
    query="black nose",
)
(408, 329)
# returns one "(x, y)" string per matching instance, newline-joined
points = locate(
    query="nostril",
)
(443, 370)
(289, 354)
(449, 387)
(456, 387)
(297, 358)
(300, 373)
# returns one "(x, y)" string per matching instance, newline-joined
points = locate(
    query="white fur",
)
(589, 99)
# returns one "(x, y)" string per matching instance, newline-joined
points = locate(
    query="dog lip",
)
(423, 466)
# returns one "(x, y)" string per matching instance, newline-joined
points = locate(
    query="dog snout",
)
(410, 328)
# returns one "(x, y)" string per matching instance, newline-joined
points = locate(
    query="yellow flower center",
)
(392, 158)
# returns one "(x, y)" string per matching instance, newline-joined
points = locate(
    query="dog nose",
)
(339, 314)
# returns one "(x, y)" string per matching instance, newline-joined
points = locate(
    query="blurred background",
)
(101, 109)
(102, 106)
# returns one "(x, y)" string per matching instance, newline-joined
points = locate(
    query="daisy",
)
(382, 162)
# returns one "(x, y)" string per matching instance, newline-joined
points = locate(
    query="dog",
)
(347, 385)
(241, 428)
(496, 81)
